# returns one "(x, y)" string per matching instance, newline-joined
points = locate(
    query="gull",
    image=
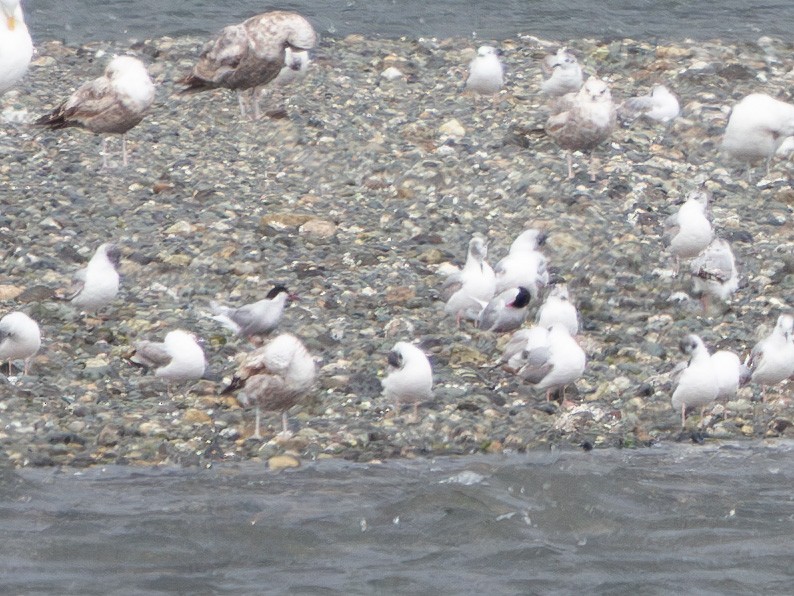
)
(257, 318)
(178, 358)
(563, 72)
(689, 228)
(410, 376)
(486, 75)
(581, 121)
(275, 377)
(731, 373)
(20, 339)
(552, 366)
(97, 284)
(660, 105)
(16, 47)
(507, 311)
(465, 290)
(758, 125)
(714, 272)
(296, 66)
(524, 266)
(771, 360)
(112, 103)
(523, 340)
(557, 308)
(698, 384)
(250, 54)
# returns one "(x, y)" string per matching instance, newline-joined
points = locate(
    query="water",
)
(78, 21)
(678, 518)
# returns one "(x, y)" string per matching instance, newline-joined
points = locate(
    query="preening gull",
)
(507, 311)
(756, 128)
(112, 103)
(486, 75)
(410, 376)
(581, 121)
(250, 54)
(524, 266)
(660, 105)
(771, 360)
(714, 272)
(178, 358)
(558, 363)
(698, 384)
(97, 284)
(20, 339)
(563, 72)
(257, 318)
(16, 47)
(296, 67)
(465, 290)
(558, 308)
(274, 378)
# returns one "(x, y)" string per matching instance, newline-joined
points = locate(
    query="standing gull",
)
(97, 284)
(410, 376)
(771, 360)
(698, 384)
(20, 339)
(274, 377)
(258, 318)
(552, 366)
(524, 266)
(731, 373)
(558, 308)
(563, 72)
(689, 228)
(250, 54)
(507, 311)
(178, 358)
(112, 103)
(16, 47)
(465, 290)
(486, 75)
(523, 340)
(581, 121)
(714, 272)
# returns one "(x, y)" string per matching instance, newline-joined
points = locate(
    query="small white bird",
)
(756, 128)
(581, 121)
(410, 376)
(113, 103)
(524, 266)
(97, 284)
(507, 311)
(771, 360)
(698, 384)
(16, 47)
(20, 339)
(731, 373)
(563, 72)
(258, 318)
(660, 105)
(486, 75)
(558, 308)
(560, 362)
(465, 290)
(275, 377)
(523, 340)
(714, 272)
(178, 358)
(689, 228)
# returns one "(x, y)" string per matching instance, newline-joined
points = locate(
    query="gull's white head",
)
(785, 326)
(484, 51)
(122, 66)
(596, 91)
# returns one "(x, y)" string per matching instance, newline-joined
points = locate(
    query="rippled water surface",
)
(681, 519)
(85, 20)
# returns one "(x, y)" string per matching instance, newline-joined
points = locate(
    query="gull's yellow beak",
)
(12, 22)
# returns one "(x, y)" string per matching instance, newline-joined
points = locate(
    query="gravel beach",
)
(353, 201)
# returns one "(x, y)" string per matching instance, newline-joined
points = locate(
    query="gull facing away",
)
(258, 318)
(756, 128)
(524, 266)
(250, 54)
(523, 340)
(660, 105)
(20, 339)
(689, 228)
(564, 75)
(698, 384)
(113, 103)
(178, 358)
(16, 47)
(581, 121)
(409, 378)
(771, 360)
(465, 290)
(274, 378)
(507, 311)
(97, 284)
(486, 75)
(731, 373)
(558, 308)
(714, 272)
(560, 362)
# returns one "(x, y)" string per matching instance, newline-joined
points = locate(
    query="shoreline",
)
(353, 202)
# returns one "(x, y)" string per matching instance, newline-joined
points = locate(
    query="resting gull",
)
(250, 54)
(771, 360)
(689, 228)
(16, 47)
(698, 384)
(558, 308)
(20, 339)
(563, 72)
(524, 266)
(660, 105)
(257, 318)
(178, 357)
(410, 376)
(507, 311)
(112, 103)
(97, 284)
(552, 366)
(486, 75)
(465, 290)
(714, 272)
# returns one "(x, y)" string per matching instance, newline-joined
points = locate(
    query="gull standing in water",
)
(20, 339)
(112, 103)
(16, 47)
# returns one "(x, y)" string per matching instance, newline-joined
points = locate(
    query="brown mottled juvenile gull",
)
(274, 377)
(714, 272)
(112, 103)
(16, 47)
(581, 121)
(250, 54)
